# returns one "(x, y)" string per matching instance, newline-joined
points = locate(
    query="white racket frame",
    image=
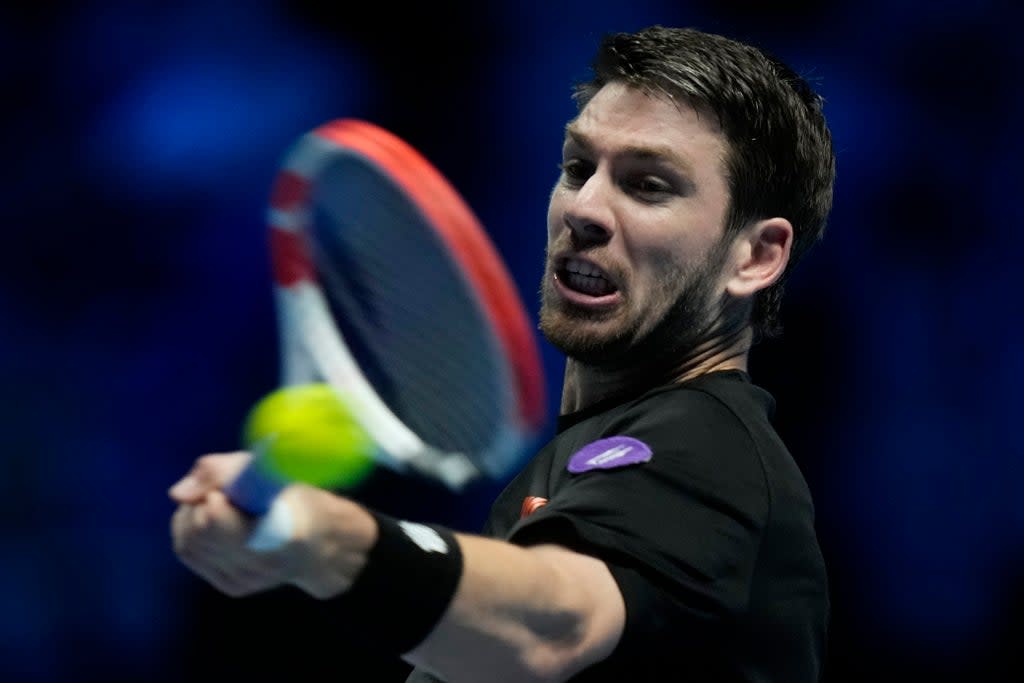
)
(313, 349)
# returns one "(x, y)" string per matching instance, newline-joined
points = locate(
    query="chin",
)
(598, 342)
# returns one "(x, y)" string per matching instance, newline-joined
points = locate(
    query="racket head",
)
(389, 288)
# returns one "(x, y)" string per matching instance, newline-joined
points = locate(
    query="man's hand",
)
(331, 535)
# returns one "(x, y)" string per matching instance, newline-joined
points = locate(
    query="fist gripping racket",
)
(389, 290)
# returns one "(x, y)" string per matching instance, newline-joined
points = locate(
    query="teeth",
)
(595, 286)
(583, 268)
(586, 278)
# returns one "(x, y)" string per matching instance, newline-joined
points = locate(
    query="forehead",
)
(620, 117)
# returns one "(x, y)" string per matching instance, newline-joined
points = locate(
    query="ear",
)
(759, 256)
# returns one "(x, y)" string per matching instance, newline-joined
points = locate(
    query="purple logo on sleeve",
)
(605, 454)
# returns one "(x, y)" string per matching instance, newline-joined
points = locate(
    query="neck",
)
(586, 385)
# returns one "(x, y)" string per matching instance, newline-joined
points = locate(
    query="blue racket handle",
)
(255, 488)
(255, 491)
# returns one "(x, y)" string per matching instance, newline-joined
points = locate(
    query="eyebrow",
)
(656, 153)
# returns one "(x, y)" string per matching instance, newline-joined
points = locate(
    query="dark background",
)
(136, 319)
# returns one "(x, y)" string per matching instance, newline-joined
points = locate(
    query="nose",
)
(588, 214)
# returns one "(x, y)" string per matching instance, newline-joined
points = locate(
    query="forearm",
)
(518, 614)
(523, 614)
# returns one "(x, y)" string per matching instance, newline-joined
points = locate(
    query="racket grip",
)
(454, 470)
(254, 489)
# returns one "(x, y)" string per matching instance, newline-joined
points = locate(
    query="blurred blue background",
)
(136, 320)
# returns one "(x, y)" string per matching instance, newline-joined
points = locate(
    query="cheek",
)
(669, 245)
(660, 275)
(554, 214)
(658, 263)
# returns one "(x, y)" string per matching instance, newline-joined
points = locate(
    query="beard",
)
(676, 323)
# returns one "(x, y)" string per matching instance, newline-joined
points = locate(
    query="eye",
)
(648, 187)
(576, 171)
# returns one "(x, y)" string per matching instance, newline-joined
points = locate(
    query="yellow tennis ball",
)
(305, 433)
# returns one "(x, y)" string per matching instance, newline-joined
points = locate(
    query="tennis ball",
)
(306, 434)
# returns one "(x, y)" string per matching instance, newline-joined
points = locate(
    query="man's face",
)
(635, 225)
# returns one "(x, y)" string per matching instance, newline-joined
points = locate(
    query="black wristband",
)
(409, 579)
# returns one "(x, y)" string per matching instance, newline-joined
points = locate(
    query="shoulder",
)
(697, 425)
(722, 416)
(676, 453)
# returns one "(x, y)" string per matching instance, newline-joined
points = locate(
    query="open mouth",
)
(584, 277)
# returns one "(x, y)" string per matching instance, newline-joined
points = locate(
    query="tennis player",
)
(665, 532)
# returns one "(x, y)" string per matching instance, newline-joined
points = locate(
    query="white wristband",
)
(273, 529)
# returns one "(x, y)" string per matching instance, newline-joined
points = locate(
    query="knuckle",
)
(205, 463)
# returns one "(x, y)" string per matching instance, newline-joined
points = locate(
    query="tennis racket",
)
(388, 288)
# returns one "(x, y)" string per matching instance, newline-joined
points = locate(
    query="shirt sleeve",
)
(680, 532)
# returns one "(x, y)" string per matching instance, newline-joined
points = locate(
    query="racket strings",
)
(406, 313)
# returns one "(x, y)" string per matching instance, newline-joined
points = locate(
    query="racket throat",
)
(454, 470)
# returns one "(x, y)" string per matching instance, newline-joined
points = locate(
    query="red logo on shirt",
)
(531, 504)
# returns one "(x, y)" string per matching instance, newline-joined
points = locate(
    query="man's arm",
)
(540, 613)
(524, 614)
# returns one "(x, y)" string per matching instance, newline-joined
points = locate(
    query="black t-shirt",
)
(705, 521)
